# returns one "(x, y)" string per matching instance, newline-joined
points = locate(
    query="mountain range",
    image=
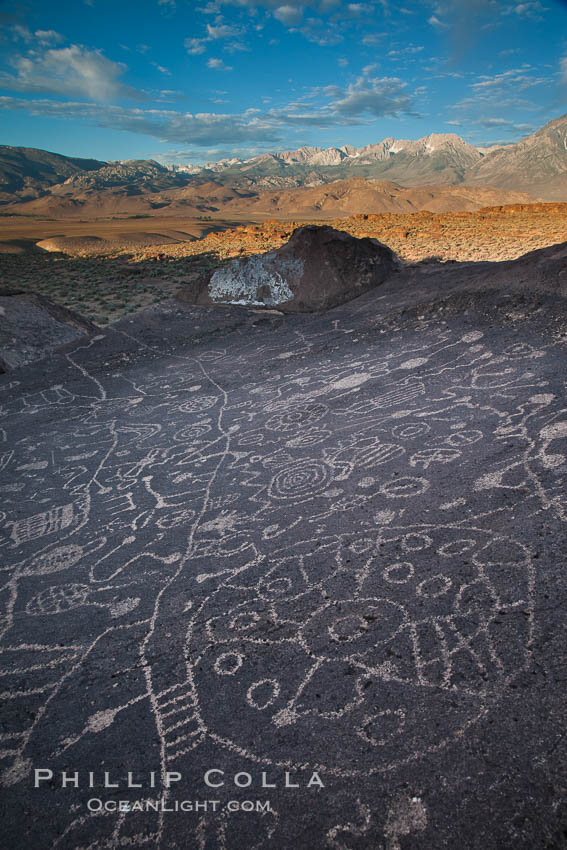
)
(443, 171)
(536, 165)
(434, 158)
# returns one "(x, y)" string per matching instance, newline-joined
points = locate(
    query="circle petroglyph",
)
(56, 600)
(55, 561)
(305, 439)
(411, 430)
(405, 487)
(228, 663)
(300, 481)
(192, 432)
(262, 694)
(399, 573)
(197, 404)
(415, 542)
(324, 562)
(357, 648)
(435, 586)
(298, 417)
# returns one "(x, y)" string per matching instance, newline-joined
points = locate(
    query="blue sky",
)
(180, 81)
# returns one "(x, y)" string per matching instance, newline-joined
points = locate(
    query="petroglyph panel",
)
(307, 549)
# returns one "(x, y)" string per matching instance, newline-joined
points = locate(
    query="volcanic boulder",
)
(317, 269)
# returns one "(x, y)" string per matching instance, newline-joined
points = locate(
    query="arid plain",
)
(106, 267)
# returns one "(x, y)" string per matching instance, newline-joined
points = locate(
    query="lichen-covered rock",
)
(317, 269)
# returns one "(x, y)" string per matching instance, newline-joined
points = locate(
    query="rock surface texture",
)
(317, 269)
(321, 556)
(33, 327)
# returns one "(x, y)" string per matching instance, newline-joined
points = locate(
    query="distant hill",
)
(134, 175)
(212, 198)
(27, 172)
(357, 195)
(538, 164)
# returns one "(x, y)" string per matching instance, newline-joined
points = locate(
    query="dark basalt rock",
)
(33, 327)
(317, 269)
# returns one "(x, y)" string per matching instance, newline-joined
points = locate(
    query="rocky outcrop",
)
(33, 327)
(317, 269)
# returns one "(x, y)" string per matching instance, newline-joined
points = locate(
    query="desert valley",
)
(106, 239)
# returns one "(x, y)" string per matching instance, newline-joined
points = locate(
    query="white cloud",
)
(72, 70)
(464, 20)
(360, 103)
(223, 31)
(289, 15)
(218, 31)
(161, 69)
(170, 95)
(359, 8)
(218, 65)
(437, 23)
(195, 45)
(321, 33)
(411, 48)
(42, 37)
(373, 38)
(203, 129)
(334, 16)
(501, 101)
(209, 9)
(531, 9)
(21, 33)
(48, 37)
(518, 79)
(564, 70)
(342, 63)
(490, 123)
(376, 97)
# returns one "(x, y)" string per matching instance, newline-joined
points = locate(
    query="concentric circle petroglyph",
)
(323, 562)
(300, 481)
(192, 432)
(297, 417)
